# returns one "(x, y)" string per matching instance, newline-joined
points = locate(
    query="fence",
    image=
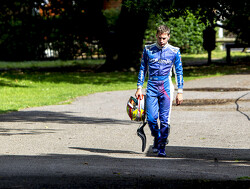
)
(91, 50)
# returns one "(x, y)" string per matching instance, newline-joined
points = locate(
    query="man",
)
(158, 59)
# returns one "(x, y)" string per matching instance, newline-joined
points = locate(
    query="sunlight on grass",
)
(85, 63)
(55, 63)
(215, 55)
(30, 88)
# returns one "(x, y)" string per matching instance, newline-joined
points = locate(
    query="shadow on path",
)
(24, 131)
(184, 167)
(186, 152)
(97, 150)
(57, 117)
(205, 153)
(238, 107)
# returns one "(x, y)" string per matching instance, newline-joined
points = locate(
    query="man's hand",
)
(179, 98)
(138, 94)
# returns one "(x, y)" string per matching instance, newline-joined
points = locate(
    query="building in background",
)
(109, 4)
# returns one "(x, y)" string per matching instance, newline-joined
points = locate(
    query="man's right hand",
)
(138, 94)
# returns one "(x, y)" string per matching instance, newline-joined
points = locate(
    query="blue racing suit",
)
(158, 62)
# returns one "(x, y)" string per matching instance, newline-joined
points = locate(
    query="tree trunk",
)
(209, 60)
(123, 48)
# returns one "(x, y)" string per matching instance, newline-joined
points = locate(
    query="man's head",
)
(162, 35)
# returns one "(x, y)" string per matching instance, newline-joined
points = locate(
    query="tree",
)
(134, 15)
(29, 27)
(19, 37)
(209, 41)
(187, 36)
(237, 20)
(123, 46)
(68, 24)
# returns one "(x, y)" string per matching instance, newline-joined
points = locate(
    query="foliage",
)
(28, 28)
(111, 16)
(71, 25)
(186, 32)
(238, 22)
(234, 13)
(20, 31)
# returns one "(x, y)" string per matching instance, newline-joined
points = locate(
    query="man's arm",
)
(179, 78)
(138, 93)
(142, 74)
(179, 99)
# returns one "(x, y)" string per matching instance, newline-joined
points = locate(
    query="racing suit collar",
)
(159, 47)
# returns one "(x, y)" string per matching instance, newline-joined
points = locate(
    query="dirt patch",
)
(214, 89)
(205, 102)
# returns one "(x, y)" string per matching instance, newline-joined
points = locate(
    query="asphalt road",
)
(91, 143)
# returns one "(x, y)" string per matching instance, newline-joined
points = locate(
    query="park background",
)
(54, 51)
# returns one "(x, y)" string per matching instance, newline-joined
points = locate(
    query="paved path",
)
(92, 142)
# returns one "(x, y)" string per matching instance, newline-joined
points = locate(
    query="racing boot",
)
(162, 152)
(155, 145)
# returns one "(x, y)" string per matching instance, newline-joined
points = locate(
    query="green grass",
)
(216, 55)
(86, 63)
(30, 88)
(243, 178)
(48, 64)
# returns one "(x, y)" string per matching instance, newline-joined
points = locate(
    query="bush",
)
(111, 16)
(186, 33)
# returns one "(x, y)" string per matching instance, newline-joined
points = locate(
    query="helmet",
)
(136, 108)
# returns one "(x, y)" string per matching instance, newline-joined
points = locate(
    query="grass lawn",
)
(86, 63)
(20, 89)
(216, 55)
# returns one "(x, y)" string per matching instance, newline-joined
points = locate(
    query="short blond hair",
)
(163, 29)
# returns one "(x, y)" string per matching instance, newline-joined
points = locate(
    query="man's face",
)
(162, 38)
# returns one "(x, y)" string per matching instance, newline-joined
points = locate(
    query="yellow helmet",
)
(136, 108)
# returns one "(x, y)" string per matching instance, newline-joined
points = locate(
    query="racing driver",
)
(158, 60)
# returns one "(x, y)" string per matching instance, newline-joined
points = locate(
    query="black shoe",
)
(155, 146)
(162, 152)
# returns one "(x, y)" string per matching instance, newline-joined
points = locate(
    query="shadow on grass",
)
(70, 77)
(10, 84)
(221, 69)
(6, 111)
(78, 76)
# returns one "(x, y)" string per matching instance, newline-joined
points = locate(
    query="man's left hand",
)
(179, 98)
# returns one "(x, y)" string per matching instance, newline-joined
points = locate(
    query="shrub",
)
(186, 33)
